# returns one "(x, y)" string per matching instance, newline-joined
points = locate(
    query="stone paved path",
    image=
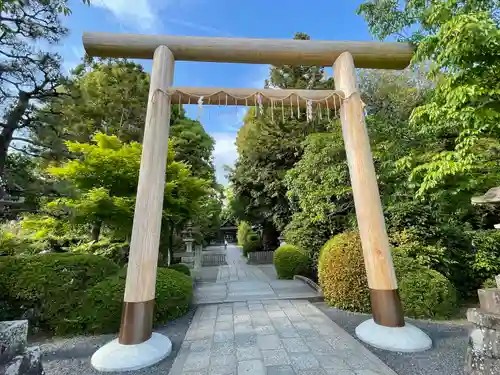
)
(241, 282)
(279, 337)
(266, 329)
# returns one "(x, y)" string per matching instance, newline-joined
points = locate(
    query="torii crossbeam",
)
(387, 329)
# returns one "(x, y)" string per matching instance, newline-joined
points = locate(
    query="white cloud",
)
(140, 13)
(224, 154)
(197, 26)
(146, 14)
(72, 58)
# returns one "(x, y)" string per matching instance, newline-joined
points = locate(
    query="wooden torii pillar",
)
(137, 346)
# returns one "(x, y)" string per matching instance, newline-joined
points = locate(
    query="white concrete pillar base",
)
(117, 357)
(405, 339)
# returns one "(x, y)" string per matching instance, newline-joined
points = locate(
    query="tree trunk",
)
(12, 124)
(171, 242)
(270, 236)
(96, 231)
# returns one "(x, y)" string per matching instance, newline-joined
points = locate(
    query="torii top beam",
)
(376, 55)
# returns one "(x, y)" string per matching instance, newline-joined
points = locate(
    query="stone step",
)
(478, 364)
(13, 339)
(485, 341)
(28, 363)
(484, 318)
(489, 300)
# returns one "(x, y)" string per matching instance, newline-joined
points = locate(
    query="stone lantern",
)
(188, 237)
(483, 352)
(281, 239)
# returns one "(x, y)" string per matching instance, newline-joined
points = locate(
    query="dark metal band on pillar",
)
(137, 322)
(386, 308)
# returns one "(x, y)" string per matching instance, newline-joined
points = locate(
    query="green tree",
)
(194, 146)
(110, 96)
(461, 39)
(28, 75)
(268, 146)
(102, 186)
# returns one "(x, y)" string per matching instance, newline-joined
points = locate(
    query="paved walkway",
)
(267, 331)
(238, 282)
(278, 337)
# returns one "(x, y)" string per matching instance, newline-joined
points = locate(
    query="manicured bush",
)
(252, 244)
(425, 293)
(39, 287)
(99, 310)
(289, 261)
(342, 275)
(117, 251)
(180, 267)
(244, 230)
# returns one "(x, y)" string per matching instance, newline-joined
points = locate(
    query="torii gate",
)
(137, 346)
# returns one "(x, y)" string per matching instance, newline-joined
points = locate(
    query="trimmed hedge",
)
(342, 275)
(289, 261)
(425, 293)
(244, 230)
(69, 294)
(180, 267)
(252, 244)
(99, 309)
(39, 287)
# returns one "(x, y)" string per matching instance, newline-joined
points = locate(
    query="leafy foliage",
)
(38, 287)
(182, 268)
(268, 146)
(252, 244)
(342, 275)
(289, 261)
(244, 231)
(99, 308)
(486, 245)
(462, 41)
(100, 184)
(29, 76)
(427, 294)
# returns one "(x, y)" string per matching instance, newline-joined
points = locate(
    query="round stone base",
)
(400, 339)
(117, 357)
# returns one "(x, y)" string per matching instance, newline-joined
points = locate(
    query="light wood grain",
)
(248, 97)
(377, 55)
(143, 257)
(371, 224)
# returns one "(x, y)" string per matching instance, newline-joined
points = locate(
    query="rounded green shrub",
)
(244, 230)
(252, 244)
(99, 310)
(289, 261)
(342, 275)
(39, 287)
(427, 294)
(181, 267)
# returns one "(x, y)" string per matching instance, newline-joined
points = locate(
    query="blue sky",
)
(326, 19)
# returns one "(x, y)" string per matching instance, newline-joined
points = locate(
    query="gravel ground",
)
(447, 356)
(72, 356)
